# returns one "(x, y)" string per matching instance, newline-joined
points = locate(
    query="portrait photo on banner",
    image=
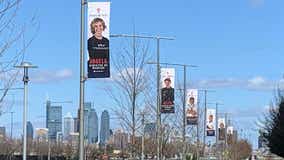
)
(210, 122)
(167, 90)
(191, 109)
(221, 128)
(98, 39)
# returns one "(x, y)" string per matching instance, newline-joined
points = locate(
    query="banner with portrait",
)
(230, 130)
(98, 39)
(210, 122)
(221, 128)
(230, 134)
(191, 110)
(167, 91)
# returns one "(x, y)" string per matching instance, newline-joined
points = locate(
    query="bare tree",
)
(129, 83)
(13, 42)
(240, 149)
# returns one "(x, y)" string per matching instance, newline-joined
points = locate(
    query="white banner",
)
(230, 130)
(221, 128)
(167, 91)
(99, 10)
(98, 39)
(221, 123)
(210, 122)
(191, 102)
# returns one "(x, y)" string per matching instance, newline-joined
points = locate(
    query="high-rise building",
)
(53, 120)
(76, 124)
(93, 128)
(87, 109)
(104, 132)
(119, 140)
(68, 125)
(30, 131)
(74, 139)
(59, 137)
(90, 123)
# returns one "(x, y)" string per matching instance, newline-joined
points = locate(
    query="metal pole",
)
(12, 125)
(143, 136)
(133, 96)
(158, 100)
(197, 131)
(82, 80)
(184, 118)
(25, 79)
(204, 133)
(216, 128)
(49, 151)
(226, 126)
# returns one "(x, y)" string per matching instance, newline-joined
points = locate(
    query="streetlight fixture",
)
(158, 39)
(184, 97)
(25, 66)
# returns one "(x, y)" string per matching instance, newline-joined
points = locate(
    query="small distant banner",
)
(230, 134)
(191, 111)
(221, 129)
(98, 39)
(210, 122)
(167, 91)
(230, 130)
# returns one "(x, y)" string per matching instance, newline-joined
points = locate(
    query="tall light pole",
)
(217, 117)
(143, 136)
(82, 80)
(25, 66)
(204, 119)
(12, 125)
(184, 98)
(157, 38)
(143, 114)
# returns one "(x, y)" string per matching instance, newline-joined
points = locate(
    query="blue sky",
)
(236, 44)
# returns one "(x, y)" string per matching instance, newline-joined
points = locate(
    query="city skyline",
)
(67, 124)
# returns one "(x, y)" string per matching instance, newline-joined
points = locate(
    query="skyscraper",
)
(68, 125)
(93, 127)
(87, 109)
(104, 132)
(76, 124)
(90, 123)
(30, 131)
(120, 139)
(53, 120)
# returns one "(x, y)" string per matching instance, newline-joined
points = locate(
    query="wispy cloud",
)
(249, 112)
(260, 83)
(47, 76)
(218, 83)
(256, 3)
(255, 83)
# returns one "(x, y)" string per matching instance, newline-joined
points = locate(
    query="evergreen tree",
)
(273, 130)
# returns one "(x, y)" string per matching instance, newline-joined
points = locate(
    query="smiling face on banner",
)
(210, 122)
(167, 90)
(191, 110)
(221, 123)
(98, 40)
